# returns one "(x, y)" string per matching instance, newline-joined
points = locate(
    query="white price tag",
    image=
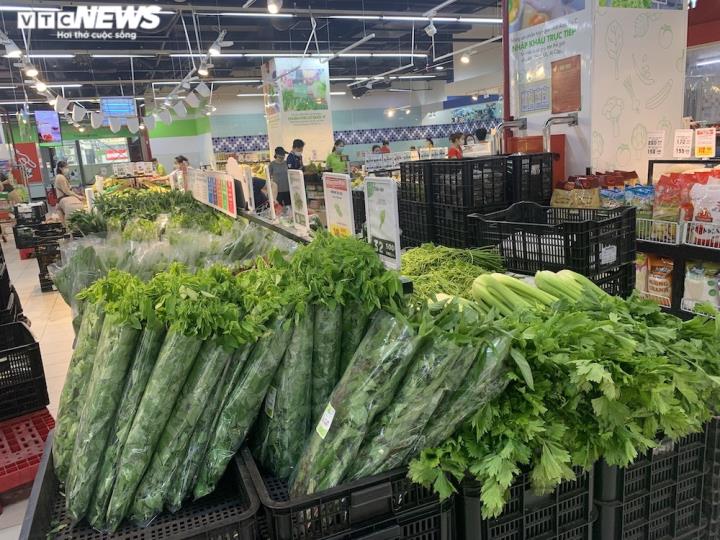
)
(337, 192)
(298, 201)
(683, 144)
(383, 224)
(656, 144)
(705, 141)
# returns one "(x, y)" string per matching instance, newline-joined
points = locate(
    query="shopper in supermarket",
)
(294, 159)
(376, 149)
(335, 161)
(481, 134)
(14, 195)
(68, 200)
(260, 197)
(429, 143)
(159, 167)
(385, 148)
(181, 165)
(279, 174)
(455, 150)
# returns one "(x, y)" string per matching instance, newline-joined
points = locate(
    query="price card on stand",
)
(683, 143)
(656, 144)
(381, 208)
(338, 204)
(271, 193)
(705, 140)
(298, 201)
(247, 183)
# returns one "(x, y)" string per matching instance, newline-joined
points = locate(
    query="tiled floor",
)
(51, 323)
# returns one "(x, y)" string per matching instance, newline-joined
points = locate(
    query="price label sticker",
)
(705, 141)
(683, 144)
(326, 420)
(656, 144)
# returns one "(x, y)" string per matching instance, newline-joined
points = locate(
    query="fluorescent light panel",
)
(708, 62)
(26, 8)
(250, 95)
(338, 93)
(123, 56)
(413, 18)
(246, 14)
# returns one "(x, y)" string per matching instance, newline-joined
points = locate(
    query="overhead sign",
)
(337, 190)
(298, 200)
(27, 158)
(381, 209)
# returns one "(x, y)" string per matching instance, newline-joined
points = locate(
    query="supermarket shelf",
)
(274, 227)
(687, 305)
(680, 251)
(658, 232)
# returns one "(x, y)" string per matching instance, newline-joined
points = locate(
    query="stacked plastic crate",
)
(27, 217)
(711, 484)
(24, 418)
(46, 246)
(415, 203)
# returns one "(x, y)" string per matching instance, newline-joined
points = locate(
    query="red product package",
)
(668, 191)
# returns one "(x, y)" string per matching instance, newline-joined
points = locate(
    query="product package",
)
(641, 271)
(659, 280)
(701, 282)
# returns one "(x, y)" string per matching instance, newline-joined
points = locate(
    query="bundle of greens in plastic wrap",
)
(346, 283)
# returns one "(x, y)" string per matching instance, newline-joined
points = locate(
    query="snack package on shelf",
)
(611, 198)
(668, 194)
(701, 282)
(641, 271)
(705, 201)
(659, 280)
(578, 192)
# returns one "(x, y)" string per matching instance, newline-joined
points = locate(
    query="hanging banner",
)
(298, 200)
(297, 105)
(337, 190)
(683, 144)
(705, 141)
(27, 158)
(381, 209)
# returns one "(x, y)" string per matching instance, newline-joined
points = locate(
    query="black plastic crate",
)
(12, 309)
(617, 282)
(46, 282)
(30, 214)
(532, 237)
(416, 223)
(230, 512)
(4, 284)
(567, 513)
(416, 181)
(711, 483)
(531, 177)
(658, 496)
(339, 511)
(434, 523)
(23, 235)
(22, 378)
(475, 183)
(359, 215)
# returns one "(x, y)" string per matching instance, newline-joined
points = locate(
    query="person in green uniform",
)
(335, 161)
(159, 167)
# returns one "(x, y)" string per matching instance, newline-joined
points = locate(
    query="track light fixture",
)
(273, 6)
(218, 44)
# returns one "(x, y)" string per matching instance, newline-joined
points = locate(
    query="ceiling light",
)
(31, 71)
(123, 55)
(407, 111)
(64, 85)
(430, 29)
(479, 20)
(141, 127)
(403, 18)
(439, 68)
(203, 89)
(203, 69)
(708, 62)
(248, 14)
(192, 100)
(52, 102)
(416, 76)
(81, 129)
(273, 6)
(337, 93)
(218, 44)
(357, 17)
(399, 55)
(475, 97)
(250, 95)
(465, 59)
(12, 51)
(41, 86)
(390, 113)
(208, 113)
(51, 55)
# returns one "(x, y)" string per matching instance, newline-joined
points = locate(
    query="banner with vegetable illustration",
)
(297, 105)
(338, 204)
(638, 76)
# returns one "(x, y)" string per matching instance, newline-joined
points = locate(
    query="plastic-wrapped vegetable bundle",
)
(173, 443)
(185, 476)
(121, 294)
(140, 370)
(354, 323)
(173, 364)
(327, 335)
(485, 380)
(287, 417)
(73, 391)
(243, 405)
(366, 389)
(196, 314)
